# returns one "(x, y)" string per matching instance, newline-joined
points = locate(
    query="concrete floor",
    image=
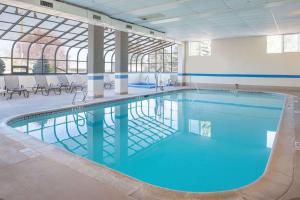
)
(27, 174)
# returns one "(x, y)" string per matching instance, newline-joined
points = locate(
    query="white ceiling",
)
(211, 19)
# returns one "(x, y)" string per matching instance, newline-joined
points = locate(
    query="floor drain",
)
(297, 146)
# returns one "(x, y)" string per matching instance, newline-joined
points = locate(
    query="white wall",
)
(244, 56)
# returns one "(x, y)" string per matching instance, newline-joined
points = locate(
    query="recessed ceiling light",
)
(163, 21)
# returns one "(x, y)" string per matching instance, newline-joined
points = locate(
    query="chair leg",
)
(45, 92)
(9, 95)
(57, 91)
(26, 93)
(35, 90)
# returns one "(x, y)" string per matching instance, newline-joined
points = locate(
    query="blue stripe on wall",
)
(119, 76)
(243, 75)
(95, 77)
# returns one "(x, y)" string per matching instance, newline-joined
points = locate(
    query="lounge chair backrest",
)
(72, 78)
(83, 78)
(41, 80)
(52, 79)
(27, 81)
(11, 82)
(2, 83)
(63, 79)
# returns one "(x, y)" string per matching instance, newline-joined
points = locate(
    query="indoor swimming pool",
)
(187, 140)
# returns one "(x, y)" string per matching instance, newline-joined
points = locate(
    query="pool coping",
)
(273, 183)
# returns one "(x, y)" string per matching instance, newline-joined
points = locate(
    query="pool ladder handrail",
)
(147, 79)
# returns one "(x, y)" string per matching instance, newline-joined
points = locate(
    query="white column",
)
(182, 54)
(95, 61)
(121, 68)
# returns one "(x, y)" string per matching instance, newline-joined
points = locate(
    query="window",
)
(283, 43)
(291, 43)
(194, 48)
(163, 60)
(205, 48)
(201, 48)
(274, 44)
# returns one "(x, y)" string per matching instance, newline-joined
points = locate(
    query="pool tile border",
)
(273, 184)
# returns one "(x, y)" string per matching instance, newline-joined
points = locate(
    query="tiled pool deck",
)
(30, 169)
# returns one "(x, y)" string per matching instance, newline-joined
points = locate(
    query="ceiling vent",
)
(46, 4)
(129, 26)
(151, 17)
(97, 17)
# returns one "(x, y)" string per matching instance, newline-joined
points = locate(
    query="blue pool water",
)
(198, 141)
(142, 85)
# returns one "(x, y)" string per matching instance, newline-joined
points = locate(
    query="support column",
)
(95, 61)
(121, 68)
(182, 54)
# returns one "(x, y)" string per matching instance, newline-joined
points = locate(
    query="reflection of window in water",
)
(270, 138)
(202, 128)
(205, 128)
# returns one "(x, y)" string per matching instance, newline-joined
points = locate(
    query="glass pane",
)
(82, 68)
(12, 36)
(72, 67)
(274, 44)
(39, 66)
(49, 52)
(21, 50)
(205, 48)
(5, 67)
(56, 19)
(36, 51)
(174, 67)
(73, 54)
(4, 25)
(83, 55)
(61, 67)
(167, 58)
(21, 28)
(78, 30)
(167, 67)
(291, 43)
(62, 53)
(152, 67)
(48, 25)
(168, 49)
(5, 50)
(30, 21)
(30, 38)
(108, 67)
(194, 48)
(145, 67)
(63, 27)
(7, 17)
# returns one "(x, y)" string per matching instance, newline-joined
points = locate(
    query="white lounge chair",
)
(12, 86)
(28, 82)
(42, 84)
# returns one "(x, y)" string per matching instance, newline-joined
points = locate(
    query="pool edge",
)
(274, 182)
